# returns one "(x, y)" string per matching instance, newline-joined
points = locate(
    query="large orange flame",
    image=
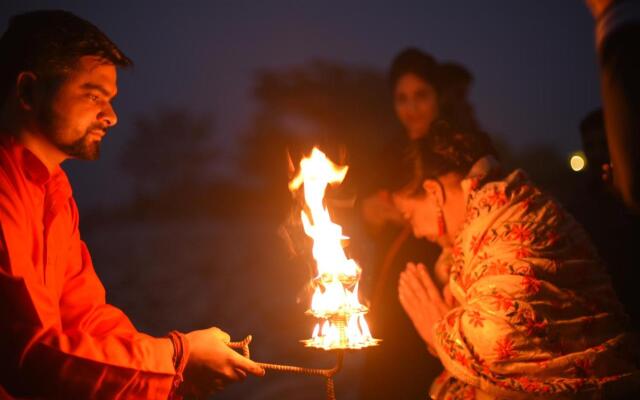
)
(335, 300)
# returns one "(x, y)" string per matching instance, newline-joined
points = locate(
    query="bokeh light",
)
(577, 161)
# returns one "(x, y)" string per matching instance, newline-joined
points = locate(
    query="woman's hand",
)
(421, 300)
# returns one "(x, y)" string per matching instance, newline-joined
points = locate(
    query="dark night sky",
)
(534, 61)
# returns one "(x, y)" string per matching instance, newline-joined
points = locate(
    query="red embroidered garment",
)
(537, 313)
(58, 337)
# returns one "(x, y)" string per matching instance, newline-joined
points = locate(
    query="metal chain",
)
(328, 373)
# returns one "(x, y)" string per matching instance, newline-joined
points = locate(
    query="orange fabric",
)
(58, 337)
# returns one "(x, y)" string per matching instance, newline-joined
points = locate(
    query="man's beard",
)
(83, 148)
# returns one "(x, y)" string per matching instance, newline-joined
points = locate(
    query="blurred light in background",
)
(577, 161)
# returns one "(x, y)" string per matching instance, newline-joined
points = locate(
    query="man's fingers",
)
(247, 365)
(220, 334)
(218, 385)
(233, 374)
(241, 373)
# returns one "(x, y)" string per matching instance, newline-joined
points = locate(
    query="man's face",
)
(78, 112)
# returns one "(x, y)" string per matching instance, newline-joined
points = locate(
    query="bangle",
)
(180, 356)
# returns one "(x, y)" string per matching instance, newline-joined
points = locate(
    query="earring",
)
(441, 224)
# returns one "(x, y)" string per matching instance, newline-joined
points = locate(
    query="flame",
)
(335, 299)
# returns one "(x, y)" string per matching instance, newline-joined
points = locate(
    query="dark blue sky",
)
(533, 61)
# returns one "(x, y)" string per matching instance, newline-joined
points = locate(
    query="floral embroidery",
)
(456, 250)
(460, 358)
(503, 238)
(452, 317)
(531, 385)
(466, 281)
(525, 317)
(522, 252)
(520, 233)
(498, 267)
(475, 318)
(497, 198)
(502, 302)
(504, 348)
(531, 285)
(477, 243)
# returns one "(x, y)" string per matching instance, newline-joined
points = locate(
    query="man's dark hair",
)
(49, 43)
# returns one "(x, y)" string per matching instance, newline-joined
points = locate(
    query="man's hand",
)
(212, 364)
(421, 300)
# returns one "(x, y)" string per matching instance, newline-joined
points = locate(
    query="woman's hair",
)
(453, 74)
(450, 80)
(417, 62)
(445, 150)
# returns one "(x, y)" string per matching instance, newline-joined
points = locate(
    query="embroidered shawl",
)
(537, 315)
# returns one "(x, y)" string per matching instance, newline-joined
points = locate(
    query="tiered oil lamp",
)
(341, 323)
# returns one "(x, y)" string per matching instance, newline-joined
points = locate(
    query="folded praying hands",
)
(422, 301)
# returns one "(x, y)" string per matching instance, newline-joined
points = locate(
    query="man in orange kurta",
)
(58, 336)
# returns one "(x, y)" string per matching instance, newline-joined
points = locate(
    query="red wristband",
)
(180, 356)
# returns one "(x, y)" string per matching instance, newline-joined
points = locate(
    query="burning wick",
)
(335, 300)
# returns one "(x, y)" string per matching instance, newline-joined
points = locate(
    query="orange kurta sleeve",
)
(58, 337)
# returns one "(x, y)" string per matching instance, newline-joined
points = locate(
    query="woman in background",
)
(423, 91)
